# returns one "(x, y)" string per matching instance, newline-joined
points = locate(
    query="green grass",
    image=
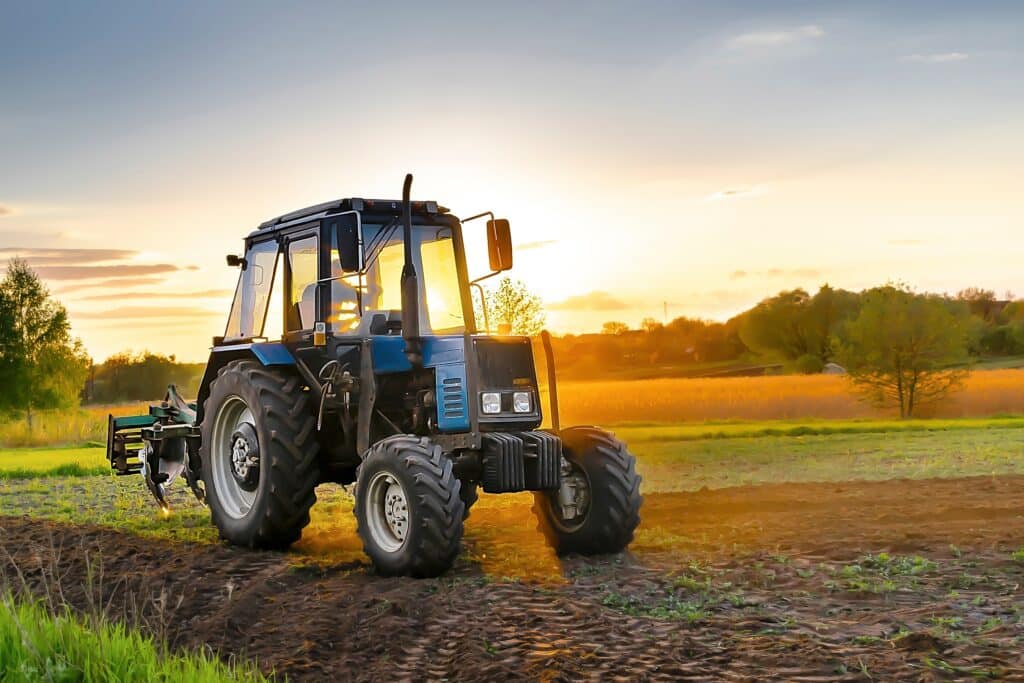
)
(89, 460)
(686, 465)
(118, 502)
(949, 448)
(999, 363)
(642, 432)
(35, 645)
(72, 461)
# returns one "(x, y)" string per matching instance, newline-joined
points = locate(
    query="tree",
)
(41, 366)
(902, 349)
(794, 324)
(614, 327)
(981, 302)
(142, 376)
(511, 308)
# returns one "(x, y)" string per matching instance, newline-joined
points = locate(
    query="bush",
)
(808, 364)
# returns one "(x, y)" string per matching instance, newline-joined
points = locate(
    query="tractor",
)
(352, 355)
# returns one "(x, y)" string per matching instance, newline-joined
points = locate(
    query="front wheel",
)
(597, 508)
(408, 507)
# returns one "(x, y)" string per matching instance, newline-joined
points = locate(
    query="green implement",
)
(160, 446)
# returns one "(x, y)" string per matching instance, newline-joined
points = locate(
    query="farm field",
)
(840, 549)
(675, 401)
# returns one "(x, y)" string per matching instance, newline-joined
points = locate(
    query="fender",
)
(266, 353)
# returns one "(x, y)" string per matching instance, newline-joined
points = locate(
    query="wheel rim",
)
(575, 524)
(387, 511)
(231, 462)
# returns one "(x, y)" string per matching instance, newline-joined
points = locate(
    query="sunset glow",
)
(733, 151)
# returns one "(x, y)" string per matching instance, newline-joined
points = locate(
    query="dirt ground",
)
(908, 580)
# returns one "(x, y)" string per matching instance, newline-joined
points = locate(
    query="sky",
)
(654, 158)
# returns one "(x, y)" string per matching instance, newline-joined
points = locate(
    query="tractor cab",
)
(352, 354)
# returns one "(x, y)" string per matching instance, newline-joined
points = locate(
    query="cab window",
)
(303, 264)
(249, 309)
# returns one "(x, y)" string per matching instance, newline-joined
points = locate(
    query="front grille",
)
(505, 363)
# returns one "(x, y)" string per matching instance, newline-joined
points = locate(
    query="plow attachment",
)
(161, 446)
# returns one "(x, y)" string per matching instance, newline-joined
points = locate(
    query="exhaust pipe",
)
(410, 285)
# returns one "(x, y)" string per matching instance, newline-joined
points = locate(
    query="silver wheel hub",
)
(234, 454)
(573, 499)
(240, 459)
(396, 510)
(387, 511)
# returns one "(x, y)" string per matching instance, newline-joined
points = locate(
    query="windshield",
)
(378, 289)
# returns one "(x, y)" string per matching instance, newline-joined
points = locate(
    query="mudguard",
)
(267, 353)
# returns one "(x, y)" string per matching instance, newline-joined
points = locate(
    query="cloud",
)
(937, 57)
(140, 312)
(5, 210)
(907, 243)
(120, 282)
(763, 39)
(736, 193)
(43, 256)
(170, 294)
(87, 264)
(738, 274)
(591, 301)
(539, 244)
(92, 272)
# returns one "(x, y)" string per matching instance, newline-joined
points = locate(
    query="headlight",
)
(490, 402)
(521, 401)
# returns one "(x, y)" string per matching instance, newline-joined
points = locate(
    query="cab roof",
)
(317, 211)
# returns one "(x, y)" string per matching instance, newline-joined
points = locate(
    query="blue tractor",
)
(352, 354)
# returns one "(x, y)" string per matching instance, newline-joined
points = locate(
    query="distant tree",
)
(41, 366)
(1014, 311)
(980, 302)
(650, 325)
(902, 349)
(614, 327)
(141, 377)
(512, 309)
(793, 323)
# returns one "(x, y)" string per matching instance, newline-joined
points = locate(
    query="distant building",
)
(833, 369)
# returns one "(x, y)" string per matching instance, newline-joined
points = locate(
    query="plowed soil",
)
(907, 580)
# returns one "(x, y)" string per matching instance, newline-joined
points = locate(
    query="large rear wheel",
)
(597, 507)
(258, 455)
(408, 507)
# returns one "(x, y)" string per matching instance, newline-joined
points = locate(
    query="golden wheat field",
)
(783, 397)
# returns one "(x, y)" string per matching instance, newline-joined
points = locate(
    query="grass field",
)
(671, 458)
(68, 461)
(820, 562)
(89, 460)
(36, 645)
(677, 400)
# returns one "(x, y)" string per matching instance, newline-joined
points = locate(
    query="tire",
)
(413, 478)
(469, 495)
(268, 409)
(613, 513)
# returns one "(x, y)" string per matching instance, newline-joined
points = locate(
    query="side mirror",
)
(234, 261)
(499, 244)
(347, 238)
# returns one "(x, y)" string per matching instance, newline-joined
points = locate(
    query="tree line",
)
(899, 347)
